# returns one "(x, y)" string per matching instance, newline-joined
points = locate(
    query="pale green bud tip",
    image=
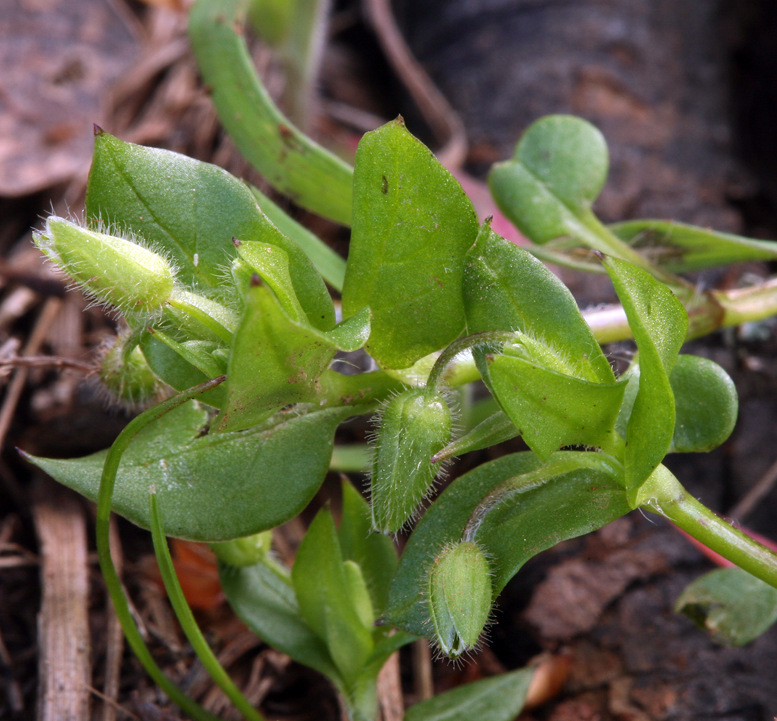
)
(112, 270)
(246, 551)
(459, 597)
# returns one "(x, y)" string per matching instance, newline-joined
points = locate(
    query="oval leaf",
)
(214, 487)
(558, 170)
(412, 225)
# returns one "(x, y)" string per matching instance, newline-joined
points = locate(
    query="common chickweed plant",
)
(225, 299)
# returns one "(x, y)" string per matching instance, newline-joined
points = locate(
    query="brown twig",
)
(422, 670)
(390, 690)
(63, 623)
(15, 388)
(46, 361)
(754, 496)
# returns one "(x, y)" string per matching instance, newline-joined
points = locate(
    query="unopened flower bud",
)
(414, 426)
(112, 270)
(459, 597)
(246, 551)
(125, 373)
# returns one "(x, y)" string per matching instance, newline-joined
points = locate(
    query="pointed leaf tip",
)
(97, 130)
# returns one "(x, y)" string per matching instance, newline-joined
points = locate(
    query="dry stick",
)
(390, 690)
(16, 386)
(47, 361)
(422, 670)
(437, 111)
(63, 623)
(751, 499)
(114, 636)
(13, 690)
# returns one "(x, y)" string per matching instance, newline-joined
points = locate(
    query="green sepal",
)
(506, 288)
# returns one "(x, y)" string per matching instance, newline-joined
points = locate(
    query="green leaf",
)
(322, 589)
(329, 264)
(545, 508)
(276, 361)
(495, 429)
(730, 604)
(213, 487)
(558, 170)
(706, 405)
(374, 552)
(680, 248)
(191, 210)
(266, 603)
(175, 370)
(272, 265)
(499, 698)
(412, 225)
(296, 166)
(506, 288)
(552, 410)
(659, 323)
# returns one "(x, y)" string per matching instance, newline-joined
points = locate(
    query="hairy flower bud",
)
(459, 597)
(112, 270)
(125, 373)
(415, 425)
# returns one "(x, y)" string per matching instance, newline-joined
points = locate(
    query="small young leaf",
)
(558, 170)
(215, 487)
(272, 265)
(191, 210)
(266, 603)
(506, 288)
(706, 405)
(412, 225)
(659, 323)
(680, 248)
(374, 552)
(730, 604)
(548, 508)
(324, 597)
(276, 361)
(499, 698)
